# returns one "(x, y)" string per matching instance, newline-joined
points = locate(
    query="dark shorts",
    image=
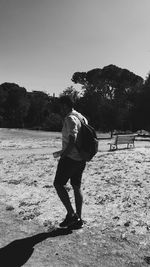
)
(69, 169)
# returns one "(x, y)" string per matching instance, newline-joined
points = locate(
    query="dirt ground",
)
(116, 206)
(28, 244)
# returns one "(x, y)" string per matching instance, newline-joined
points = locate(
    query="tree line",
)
(111, 98)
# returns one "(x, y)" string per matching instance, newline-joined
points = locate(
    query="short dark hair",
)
(66, 100)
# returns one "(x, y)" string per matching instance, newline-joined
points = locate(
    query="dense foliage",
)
(111, 98)
(32, 110)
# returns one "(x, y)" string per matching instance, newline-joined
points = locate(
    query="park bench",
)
(123, 139)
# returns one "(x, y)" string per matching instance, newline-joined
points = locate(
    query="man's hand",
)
(57, 154)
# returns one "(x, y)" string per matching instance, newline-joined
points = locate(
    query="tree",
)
(142, 106)
(72, 92)
(13, 105)
(38, 110)
(113, 87)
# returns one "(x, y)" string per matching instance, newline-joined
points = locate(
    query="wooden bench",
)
(123, 139)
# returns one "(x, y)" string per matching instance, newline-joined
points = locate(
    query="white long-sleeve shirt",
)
(72, 126)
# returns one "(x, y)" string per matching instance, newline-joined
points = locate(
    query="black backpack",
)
(86, 142)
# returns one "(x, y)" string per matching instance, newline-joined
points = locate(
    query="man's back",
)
(72, 125)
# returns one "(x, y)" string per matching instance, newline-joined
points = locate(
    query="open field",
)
(116, 188)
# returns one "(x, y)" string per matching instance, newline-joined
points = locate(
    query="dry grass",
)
(116, 191)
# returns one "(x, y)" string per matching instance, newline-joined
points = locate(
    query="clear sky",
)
(43, 42)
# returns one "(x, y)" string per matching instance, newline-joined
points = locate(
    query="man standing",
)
(70, 165)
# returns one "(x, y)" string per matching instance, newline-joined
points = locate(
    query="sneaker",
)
(76, 225)
(69, 220)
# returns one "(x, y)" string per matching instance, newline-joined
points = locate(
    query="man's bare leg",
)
(64, 197)
(78, 200)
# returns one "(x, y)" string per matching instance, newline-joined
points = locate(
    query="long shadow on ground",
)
(18, 252)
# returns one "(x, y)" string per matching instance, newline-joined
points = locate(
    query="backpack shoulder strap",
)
(80, 119)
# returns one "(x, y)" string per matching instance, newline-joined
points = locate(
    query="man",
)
(70, 165)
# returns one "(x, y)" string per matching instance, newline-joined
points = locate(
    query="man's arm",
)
(69, 146)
